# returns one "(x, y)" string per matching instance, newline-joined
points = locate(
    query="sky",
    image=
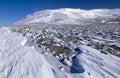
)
(14, 10)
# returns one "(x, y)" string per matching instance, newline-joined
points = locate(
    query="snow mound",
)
(69, 15)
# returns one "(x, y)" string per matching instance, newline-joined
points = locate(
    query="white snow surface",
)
(20, 61)
(69, 15)
(17, 60)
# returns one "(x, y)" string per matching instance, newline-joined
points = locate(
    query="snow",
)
(99, 65)
(71, 16)
(21, 61)
(18, 60)
(23, 42)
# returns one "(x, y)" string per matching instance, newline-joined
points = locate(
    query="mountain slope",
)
(18, 59)
(71, 16)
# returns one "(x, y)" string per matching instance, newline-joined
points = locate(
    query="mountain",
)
(54, 44)
(73, 16)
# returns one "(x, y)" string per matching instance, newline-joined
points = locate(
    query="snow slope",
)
(18, 60)
(98, 65)
(69, 15)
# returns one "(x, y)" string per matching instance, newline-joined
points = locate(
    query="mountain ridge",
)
(70, 15)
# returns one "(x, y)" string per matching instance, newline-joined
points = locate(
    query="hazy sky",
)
(14, 10)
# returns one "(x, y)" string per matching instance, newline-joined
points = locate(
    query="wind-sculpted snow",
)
(20, 57)
(20, 61)
(97, 65)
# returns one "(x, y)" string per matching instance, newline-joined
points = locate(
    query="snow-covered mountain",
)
(73, 16)
(54, 44)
